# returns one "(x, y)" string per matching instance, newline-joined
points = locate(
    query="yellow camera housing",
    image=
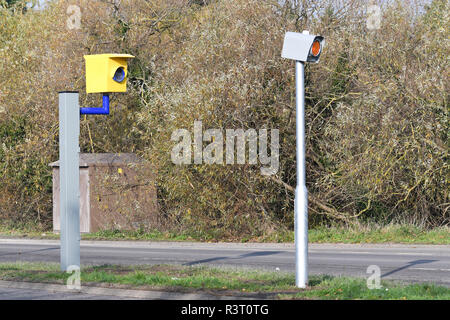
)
(106, 72)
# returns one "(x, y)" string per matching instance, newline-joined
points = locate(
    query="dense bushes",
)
(377, 107)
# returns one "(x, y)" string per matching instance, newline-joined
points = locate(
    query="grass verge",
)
(274, 285)
(381, 234)
(366, 234)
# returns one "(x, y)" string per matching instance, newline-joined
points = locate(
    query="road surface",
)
(410, 263)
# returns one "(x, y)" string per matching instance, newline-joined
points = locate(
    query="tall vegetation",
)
(376, 114)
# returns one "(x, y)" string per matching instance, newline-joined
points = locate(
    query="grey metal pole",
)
(301, 194)
(69, 175)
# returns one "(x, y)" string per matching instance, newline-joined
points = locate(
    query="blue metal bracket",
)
(103, 110)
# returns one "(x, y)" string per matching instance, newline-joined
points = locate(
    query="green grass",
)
(274, 285)
(376, 234)
(365, 234)
(344, 288)
(141, 235)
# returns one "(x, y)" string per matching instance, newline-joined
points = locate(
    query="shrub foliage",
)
(376, 114)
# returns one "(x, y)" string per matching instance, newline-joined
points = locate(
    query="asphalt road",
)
(410, 263)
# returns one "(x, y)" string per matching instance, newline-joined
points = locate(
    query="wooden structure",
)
(115, 193)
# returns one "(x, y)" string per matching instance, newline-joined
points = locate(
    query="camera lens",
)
(119, 76)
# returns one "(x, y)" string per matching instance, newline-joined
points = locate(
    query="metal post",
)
(301, 194)
(69, 174)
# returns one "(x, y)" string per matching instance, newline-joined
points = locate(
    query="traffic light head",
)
(106, 72)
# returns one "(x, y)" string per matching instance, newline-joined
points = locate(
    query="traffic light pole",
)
(69, 175)
(301, 194)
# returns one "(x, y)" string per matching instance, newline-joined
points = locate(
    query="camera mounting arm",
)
(103, 110)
